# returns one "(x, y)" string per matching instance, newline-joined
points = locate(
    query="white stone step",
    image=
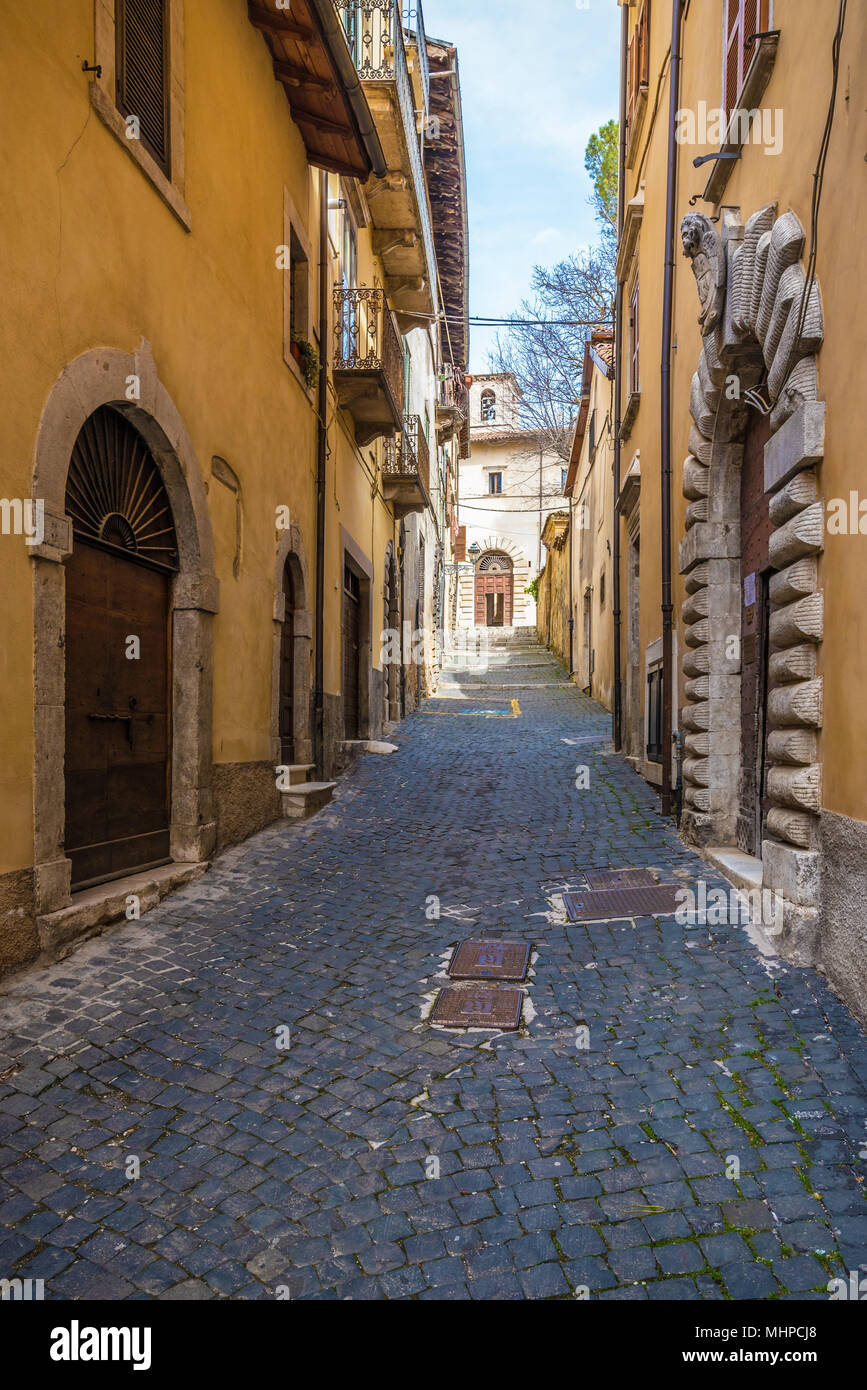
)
(306, 800)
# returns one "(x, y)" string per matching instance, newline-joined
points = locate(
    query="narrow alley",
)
(242, 1095)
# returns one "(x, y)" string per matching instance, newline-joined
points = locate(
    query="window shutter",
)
(644, 46)
(631, 81)
(143, 71)
(461, 545)
(743, 19)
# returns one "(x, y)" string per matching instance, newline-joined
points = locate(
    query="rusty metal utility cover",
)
(619, 878)
(486, 1007)
(608, 904)
(490, 960)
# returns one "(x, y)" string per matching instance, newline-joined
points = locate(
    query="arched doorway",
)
(118, 727)
(495, 590)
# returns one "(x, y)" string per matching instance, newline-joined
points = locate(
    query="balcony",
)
(368, 363)
(453, 402)
(406, 470)
(399, 209)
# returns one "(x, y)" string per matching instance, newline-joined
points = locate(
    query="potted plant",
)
(307, 357)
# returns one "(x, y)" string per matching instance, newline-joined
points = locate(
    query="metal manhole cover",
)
(490, 960)
(606, 904)
(499, 1009)
(619, 878)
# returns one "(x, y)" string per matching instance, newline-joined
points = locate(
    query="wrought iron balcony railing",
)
(452, 393)
(374, 33)
(368, 361)
(408, 454)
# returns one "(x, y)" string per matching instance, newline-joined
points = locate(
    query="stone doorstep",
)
(743, 870)
(306, 800)
(107, 903)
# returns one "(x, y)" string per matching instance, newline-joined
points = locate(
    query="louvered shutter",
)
(143, 71)
(644, 45)
(743, 19)
(631, 82)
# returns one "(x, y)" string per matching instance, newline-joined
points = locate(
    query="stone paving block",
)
(557, 1169)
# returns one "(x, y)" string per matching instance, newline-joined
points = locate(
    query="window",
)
(142, 74)
(602, 590)
(743, 19)
(495, 483)
(299, 289)
(137, 89)
(634, 360)
(564, 474)
(637, 66)
(296, 262)
(407, 378)
(489, 407)
(654, 715)
(591, 442)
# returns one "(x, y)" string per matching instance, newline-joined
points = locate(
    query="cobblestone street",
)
(560, 1169)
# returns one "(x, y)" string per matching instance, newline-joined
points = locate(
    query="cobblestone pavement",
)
(265, 1170)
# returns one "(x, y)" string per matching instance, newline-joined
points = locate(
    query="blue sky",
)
(536, 81)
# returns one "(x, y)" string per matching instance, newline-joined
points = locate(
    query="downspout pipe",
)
(617, 713)
(572, 582)
(321, 467)
(665, 408)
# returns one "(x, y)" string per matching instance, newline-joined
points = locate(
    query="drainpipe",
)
(321, 464)
(665, 412)
(617, 713)
(572, 582)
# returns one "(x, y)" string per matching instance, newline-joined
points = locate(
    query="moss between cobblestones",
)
(742, 1123)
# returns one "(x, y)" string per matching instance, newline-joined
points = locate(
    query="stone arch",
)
(761, 328)
(290, 550)
(523, 615)
(128, 382)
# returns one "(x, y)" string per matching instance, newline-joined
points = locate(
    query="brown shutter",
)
(644, 45)
(461, 545)
(143, 71)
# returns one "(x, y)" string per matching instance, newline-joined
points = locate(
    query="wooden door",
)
(494, 599)
(117, 715)
(287, 672)
(755, 576)
(351, 654)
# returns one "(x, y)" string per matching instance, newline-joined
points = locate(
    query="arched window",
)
(489, 407)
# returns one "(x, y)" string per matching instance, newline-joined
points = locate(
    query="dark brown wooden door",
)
(287, 672)
(755, 575)
(117, 715)
(494, 600)
(351, 651)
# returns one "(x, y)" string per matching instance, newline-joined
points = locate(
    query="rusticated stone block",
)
(797, 746)
(799, 705)
(797, 787)
(794, 583)
(796, 664)
(803, 535)
(796, 445)
(793, 826)
(799, 622)
(794, 496)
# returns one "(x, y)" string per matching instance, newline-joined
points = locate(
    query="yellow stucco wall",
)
(800, 88)
(99, 260)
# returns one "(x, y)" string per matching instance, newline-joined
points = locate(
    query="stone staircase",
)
(305, 799)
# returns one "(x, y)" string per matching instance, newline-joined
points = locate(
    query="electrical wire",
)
(818, 185)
